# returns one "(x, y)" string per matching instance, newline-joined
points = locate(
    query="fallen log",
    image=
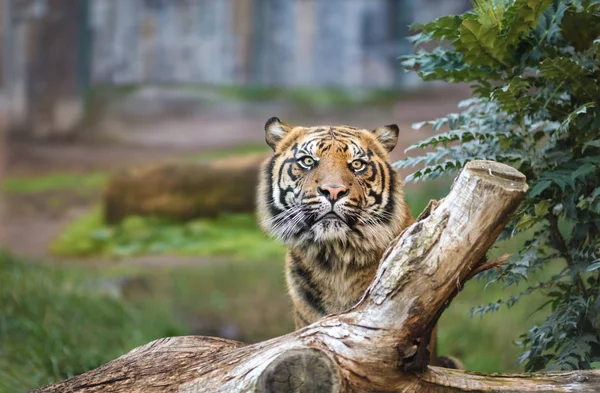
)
(183, 191)
(378, 345)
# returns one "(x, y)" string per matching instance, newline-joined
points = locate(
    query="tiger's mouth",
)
(331, 217)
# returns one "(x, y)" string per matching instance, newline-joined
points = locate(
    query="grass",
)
(246, 300)
(57, 322)
(242, 300)
(53, 182)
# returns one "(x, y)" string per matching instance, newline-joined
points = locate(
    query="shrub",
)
(534, 67)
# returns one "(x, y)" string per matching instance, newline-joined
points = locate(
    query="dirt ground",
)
(31, 222)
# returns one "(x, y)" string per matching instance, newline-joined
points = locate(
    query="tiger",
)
(330, 194)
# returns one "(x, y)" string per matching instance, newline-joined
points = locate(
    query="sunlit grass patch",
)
(230, 235)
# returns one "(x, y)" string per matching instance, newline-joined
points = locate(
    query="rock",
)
(183, 191)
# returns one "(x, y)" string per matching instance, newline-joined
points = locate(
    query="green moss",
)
(235, 235)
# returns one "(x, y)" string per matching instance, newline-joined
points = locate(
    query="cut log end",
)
(498, 171)
(300, 371)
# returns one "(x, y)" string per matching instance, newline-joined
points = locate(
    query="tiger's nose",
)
(333, 192)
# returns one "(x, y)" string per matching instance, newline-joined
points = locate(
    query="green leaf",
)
(481, 45)
(593, 266)
(541, 208)
(564, 69)
(538, 188)
(566, 123)
(583, 171)
(534, 67)
(595, 143)
(561, 69)
(441, 64)
(581, 28)
(444, 28)
(526, 222)
(548, 28)
(522, 16)
(510, 97)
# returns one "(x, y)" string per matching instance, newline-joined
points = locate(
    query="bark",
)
(54, 106)
(183, 191)
(375, 346)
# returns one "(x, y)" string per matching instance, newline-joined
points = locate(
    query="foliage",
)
(56, 324)
(233, 235)
(534, 66)
(53, 182)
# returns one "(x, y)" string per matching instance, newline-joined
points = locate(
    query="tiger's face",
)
(331, 184)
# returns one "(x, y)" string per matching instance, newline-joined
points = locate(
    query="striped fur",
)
(330, 261)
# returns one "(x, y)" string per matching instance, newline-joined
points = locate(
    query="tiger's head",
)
(331, 184)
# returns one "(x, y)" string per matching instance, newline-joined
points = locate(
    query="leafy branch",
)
(535, 73)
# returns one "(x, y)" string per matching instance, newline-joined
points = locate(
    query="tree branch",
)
(495, 263)
(372, 346)
(561, 246)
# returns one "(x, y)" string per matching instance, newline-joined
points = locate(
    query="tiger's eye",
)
(307, 161)
(357, 165)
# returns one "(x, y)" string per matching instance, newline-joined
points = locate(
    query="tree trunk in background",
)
(329, 43)
(273, 40)
(4, 23)
(44, 57)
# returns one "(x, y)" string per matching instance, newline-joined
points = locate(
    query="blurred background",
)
(131, 135)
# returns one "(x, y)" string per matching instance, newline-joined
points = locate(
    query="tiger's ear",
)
(275, 130)
(387, 136)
